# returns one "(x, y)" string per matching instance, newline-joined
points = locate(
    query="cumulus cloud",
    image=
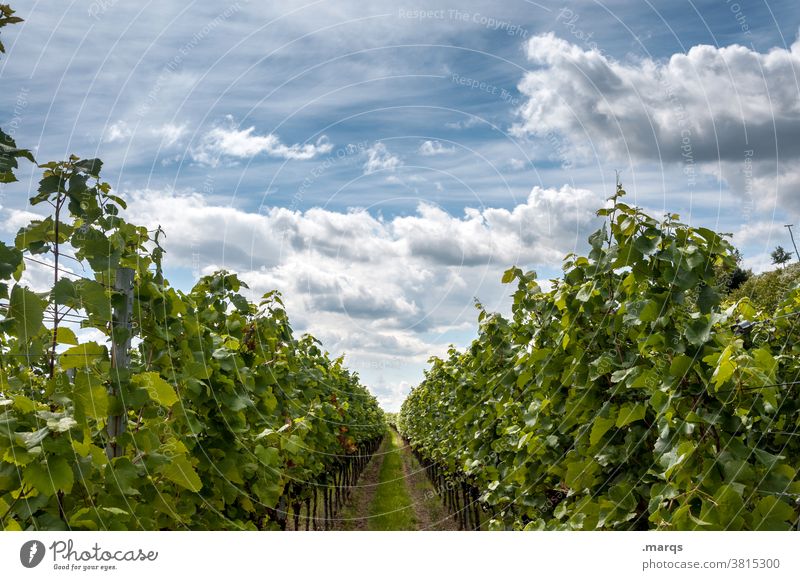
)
(230, 141)
(722, 108)
(389, 292)
(430, 148)
(379, 159)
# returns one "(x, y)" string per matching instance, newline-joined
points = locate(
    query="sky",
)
(382, 163)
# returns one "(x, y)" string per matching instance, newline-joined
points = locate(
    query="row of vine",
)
(217, 417)
(631, 395)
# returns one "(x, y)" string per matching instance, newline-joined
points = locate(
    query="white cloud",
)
(516, 164)
(170, 133)
(431, 148)
(14, 219)
(118, 131)
(707, 109)
(467, 123)
(379, 159)
(388, 292)
(230, 141)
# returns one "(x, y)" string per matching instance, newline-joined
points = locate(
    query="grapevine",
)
(629, 396)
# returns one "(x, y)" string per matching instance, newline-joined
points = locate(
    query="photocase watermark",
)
(100, 7)
(569, 19)
(475, 84)
(684, 124)
(747, 174)
(31, 553)
(176, 61)
(488, 22)
(66, 556)
(738, 14)
(559, 148)
(375, 364)
(10, 129)
(20, 105)
(441, 489)
(349, 152)
(207, 189)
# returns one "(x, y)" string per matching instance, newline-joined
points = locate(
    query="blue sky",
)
(382, 163)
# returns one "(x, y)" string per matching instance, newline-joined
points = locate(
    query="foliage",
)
(9, 152)
(226, 415)
(780, 256)
(767, 290)
(729, 278)
(226, 409)
(7, 17)
(629, 396)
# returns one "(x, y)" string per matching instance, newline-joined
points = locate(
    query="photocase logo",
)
(31, 553)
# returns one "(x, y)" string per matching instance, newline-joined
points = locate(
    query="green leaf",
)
(510, 274)
(699, 331)
(83, 294)
(707, 299)
(90, 166)
(680, 365)
(293, 445)
(725, 368)
(81, 356)
(597, 239)
(90, 396)
(50, 476)
(585, 293)
(180, 471)
(600, 427)
(27, 310)
(647, 243)
(61, 424)
(9, 152)
(94, 298)
(772, 514)
(630, 412)
(65, 335)
(765, 361)
(10, 259)
(157, 388)
(121, 475)
(729, 507)
(31, 440)
(269, 456)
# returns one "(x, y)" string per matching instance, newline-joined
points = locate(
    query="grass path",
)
(392, 508)
(394, 494)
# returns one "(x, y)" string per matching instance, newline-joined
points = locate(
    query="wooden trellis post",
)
(120, 354)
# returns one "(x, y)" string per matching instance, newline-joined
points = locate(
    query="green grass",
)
(391, 508)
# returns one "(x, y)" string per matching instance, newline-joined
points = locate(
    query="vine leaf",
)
(157, 388)
(180, 471)
(49, 476)
(27, 310)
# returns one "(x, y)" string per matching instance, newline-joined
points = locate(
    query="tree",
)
(780, 256)
(729, 278)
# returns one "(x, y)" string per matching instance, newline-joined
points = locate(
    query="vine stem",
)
(59, 203)
(22, 493)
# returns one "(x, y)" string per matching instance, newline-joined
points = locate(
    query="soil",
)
(430, 512)
(355, 514)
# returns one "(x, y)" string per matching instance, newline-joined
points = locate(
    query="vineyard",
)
(633, 395)
(199, 410)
